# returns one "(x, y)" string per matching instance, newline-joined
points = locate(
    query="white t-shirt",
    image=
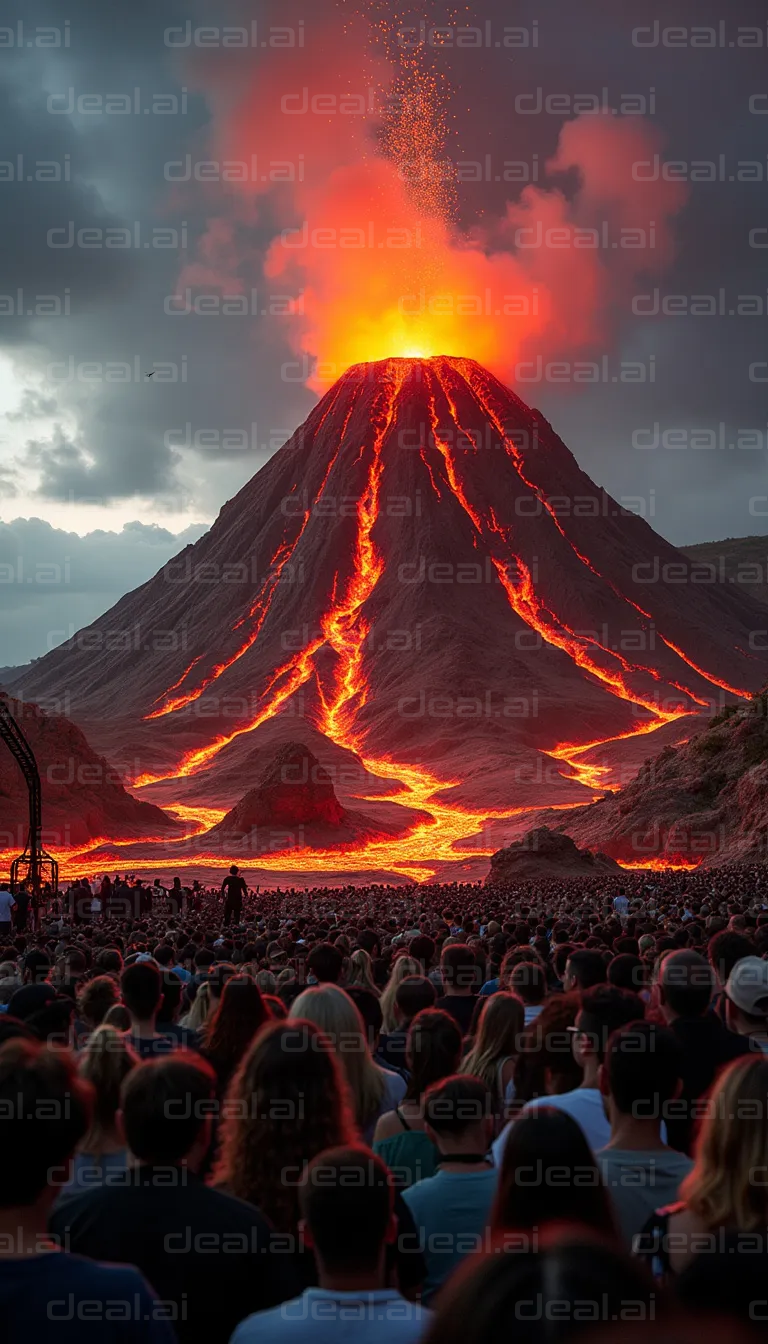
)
(584, 1104)
(6, 905)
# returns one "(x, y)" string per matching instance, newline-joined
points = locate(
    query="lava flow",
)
(364, 432)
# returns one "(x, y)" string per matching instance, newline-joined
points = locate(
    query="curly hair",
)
(234, 1024)
(287, 1102)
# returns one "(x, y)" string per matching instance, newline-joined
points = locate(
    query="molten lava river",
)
(334, 660)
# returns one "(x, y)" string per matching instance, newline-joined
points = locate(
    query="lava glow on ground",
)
(432, 842)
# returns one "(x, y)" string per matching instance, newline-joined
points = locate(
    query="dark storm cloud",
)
(105, 243)
(224, 374)
(51, 579)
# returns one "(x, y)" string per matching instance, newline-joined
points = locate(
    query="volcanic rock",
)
(545, 853)
(83, 798)
(425, 578)
(705, 801)
(294, 806)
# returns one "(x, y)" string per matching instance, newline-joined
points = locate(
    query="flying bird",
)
(152, 374)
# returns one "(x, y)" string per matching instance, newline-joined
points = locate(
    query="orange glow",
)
(343, 687)
(676, 865)
(342, 626)
(368, 231)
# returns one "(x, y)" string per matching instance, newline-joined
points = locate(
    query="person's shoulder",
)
(81, 1274)
(232, 1210)
(387, 1126)
(421, 1192)
(84, 1204)
(272, 1324)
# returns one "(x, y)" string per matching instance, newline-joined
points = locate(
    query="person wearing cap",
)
(746, 1001)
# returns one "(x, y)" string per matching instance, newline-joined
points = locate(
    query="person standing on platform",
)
(234, 890)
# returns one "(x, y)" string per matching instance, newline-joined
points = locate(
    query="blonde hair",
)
(401, 969)
(201, 1008)
(330, 1009)
(105, 1061)
(501, 1025)
(361, 971)
(721, 1190)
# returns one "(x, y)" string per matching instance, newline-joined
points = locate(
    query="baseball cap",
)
(747, 986)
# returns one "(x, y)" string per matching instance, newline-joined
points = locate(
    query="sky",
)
(116, 124)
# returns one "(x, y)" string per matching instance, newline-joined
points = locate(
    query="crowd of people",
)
(435, 1112)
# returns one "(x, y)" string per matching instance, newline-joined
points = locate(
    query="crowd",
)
(418, 1113)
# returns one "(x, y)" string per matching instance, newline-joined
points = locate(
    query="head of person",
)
(626, 971)
(545, 1064)
(166, 1109)
(360, 971)
(36, 966)
(433, 1050)
(725, 1187)
(234, 870)
(459, 1115)
(48, 1111)
(422, 949)
(725, 949)
(571, 1265)
(402, 967)
(240, 1014)
(413, 995)
(333, 1011)
(325, 963)
(498, 1037)
(368, 1004)
(105, 1062)
(746, 996)
(287, 1102)
(95, 998)
(459, 969)
(529, 982)
(641, 1072)
(549, 1174)
(686, 984)
(602, 1011)
(584, 969)
(141, 987)
(346, 1203)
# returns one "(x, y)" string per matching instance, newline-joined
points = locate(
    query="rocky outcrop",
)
(706, 800)
(82, 794)
(546, 853)
(293, 807)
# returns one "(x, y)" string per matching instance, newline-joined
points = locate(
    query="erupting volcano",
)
(424, 589)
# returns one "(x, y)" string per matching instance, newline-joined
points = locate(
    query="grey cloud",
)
(52, 580)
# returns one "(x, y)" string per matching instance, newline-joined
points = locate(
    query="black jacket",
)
(203, 1250)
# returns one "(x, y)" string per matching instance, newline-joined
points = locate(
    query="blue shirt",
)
(321, 1316)
(88, 1172)
(57, 1298)
(451, 1211)
(490, 987)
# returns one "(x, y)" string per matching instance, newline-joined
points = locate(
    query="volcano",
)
(424, 589)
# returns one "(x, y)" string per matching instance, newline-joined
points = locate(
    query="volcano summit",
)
(424, 589)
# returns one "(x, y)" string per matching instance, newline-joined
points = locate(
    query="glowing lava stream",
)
(471, 377)
(259, 608)
(345, 630)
